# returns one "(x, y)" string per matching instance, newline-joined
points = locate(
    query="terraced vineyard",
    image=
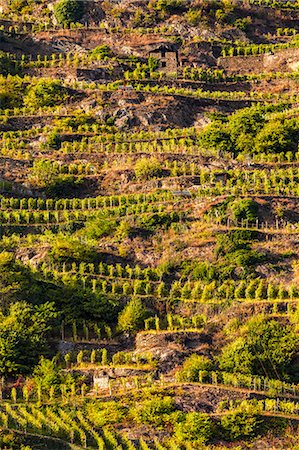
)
(149, 193)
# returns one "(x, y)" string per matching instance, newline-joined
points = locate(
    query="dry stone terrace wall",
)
(282, 61)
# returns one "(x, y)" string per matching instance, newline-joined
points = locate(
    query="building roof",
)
(164, 46)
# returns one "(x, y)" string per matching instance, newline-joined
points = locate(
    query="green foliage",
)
(8, 65)
(102, 51)
(194, 17)
(132, 317)
(234, 248)
(100, 227)
(278, 136)
(216, 137)
(68, 11)
(157, 220)
(155, 410)
(246, 209)
(196, 427)
(45, 174)
(145, 169)
(168, 6)
(240, 425)
(123, 231)
(101, 414)
(263, 347)
(11, 89)
(46, 374)
(232, 241)
(69, 249)
(192, 366)
(23, 333)
(53, 140)
(250, 130)
(245, 259)
(45, 93)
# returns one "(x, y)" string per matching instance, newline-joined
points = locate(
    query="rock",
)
(171, 348)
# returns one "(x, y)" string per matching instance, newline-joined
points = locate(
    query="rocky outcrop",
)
(171, 348)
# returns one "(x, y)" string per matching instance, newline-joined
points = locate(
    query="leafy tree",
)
(68, 11)
(232, 241)
(246, 209)
(70, 249)
(264, 347)
(154, 410)
(145, 169)
(192, 366)
(11, 279)
(250, 131)
(196, 427)
(123, 230)
(244, 125)
(194, 17)
(8, 65)
(240, 425)
(215, 136)
(132, 316)
(45, 93)
(53, 140)
(44, 173)
(101, 414)
(99, 227)
(46, 373)
(245, 259)
(277, 137)
(23, 333)
(168, 6)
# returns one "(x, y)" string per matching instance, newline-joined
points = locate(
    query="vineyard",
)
(149, 221)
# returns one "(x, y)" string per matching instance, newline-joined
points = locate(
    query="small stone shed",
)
(167, 55)
(101, 380)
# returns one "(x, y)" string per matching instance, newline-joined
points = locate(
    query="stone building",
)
(101, 380)
(167, 55)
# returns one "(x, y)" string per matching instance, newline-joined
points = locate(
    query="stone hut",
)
(167, 55)
(101, 380)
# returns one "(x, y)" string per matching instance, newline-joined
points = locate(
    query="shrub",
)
(154, 411)
(101, 414)
(156, 220)
(263, 348)
(46, 373)
(277, 137)
(7, 64)
(23, 332)
(43, 173)
(168, 6)
(193, 17)
(145, 169)
(100, 227)
(123, 231)
(68, 11)
(132, 316)
(228, 243)
(192, 366)
(53, 140)
(102, 51)
(246, 258)
(196, 427)
(246, 209)
(45, 93)
(240, 425)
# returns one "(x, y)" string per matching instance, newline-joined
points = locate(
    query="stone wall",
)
(283, 61)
